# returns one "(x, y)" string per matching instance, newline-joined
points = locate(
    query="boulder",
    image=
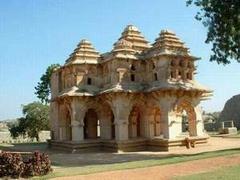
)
(231, 111)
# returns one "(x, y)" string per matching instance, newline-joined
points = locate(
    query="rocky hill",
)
(231, 111)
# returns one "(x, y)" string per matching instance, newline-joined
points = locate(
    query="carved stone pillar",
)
(198, 125)
(145, 119)
(121, 129)
(151, 125)
(167, 117)
(121, 114)
(54, 120)
(78, 113)
(106, 125)
(77, 131)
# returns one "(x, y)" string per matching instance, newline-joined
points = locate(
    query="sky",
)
(37, 33)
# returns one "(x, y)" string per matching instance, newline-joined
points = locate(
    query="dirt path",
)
(162, 172)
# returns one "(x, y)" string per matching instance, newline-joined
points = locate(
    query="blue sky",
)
(35, 34)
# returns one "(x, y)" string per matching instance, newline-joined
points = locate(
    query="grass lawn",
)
(71, 171)
(226, 173)
(235, 135)
(61, 169)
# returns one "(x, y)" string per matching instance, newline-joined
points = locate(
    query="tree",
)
(36, 119)
(43, 87)
(213, 117)
(17, 127)
(222, 18)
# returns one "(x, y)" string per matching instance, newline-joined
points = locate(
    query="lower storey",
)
(138, 144)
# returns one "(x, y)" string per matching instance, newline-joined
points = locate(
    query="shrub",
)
(37, 165)
(12, 165)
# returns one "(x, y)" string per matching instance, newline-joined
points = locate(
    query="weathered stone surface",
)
(231, 111)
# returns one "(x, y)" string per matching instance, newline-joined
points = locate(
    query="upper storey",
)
(131, 66)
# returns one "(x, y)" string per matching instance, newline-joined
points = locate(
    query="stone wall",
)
(5, 137)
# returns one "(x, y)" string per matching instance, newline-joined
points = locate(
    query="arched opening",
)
(133, 68)
(91, 125)
(185, 125)
(153, 66)
(179, 74)
(112, 127)
(155, 76)
(188, 117)
(134, 126)
(156, 122)
(132, 77)
(89, 81)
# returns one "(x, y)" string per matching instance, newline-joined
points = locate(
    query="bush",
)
(12, 165)
(37, 165)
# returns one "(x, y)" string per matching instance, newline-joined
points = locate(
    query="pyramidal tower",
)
(84, 53)
(133, 35)
(168, 44)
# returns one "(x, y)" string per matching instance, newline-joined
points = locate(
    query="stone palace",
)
(136, 97)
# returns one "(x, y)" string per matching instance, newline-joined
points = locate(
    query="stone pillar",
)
(54, 120)
(167, 116)
(121, 129)
(105, 126)
(146, 124)
(199, 125)
(62, 133)
(121, 114)
(77, 118)
(151, 125)
(77, 131)
(61, 128)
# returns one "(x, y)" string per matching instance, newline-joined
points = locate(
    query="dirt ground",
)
(158, 172)
(164, 172)
(83, 159)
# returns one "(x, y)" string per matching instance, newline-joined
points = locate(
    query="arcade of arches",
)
(123, 120)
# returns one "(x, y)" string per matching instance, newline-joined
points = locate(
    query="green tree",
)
(17, 127)
(222, 18)
(43, 87)
(213, 117)
(36, 119)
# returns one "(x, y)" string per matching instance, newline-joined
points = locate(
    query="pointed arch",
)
(185, 105)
